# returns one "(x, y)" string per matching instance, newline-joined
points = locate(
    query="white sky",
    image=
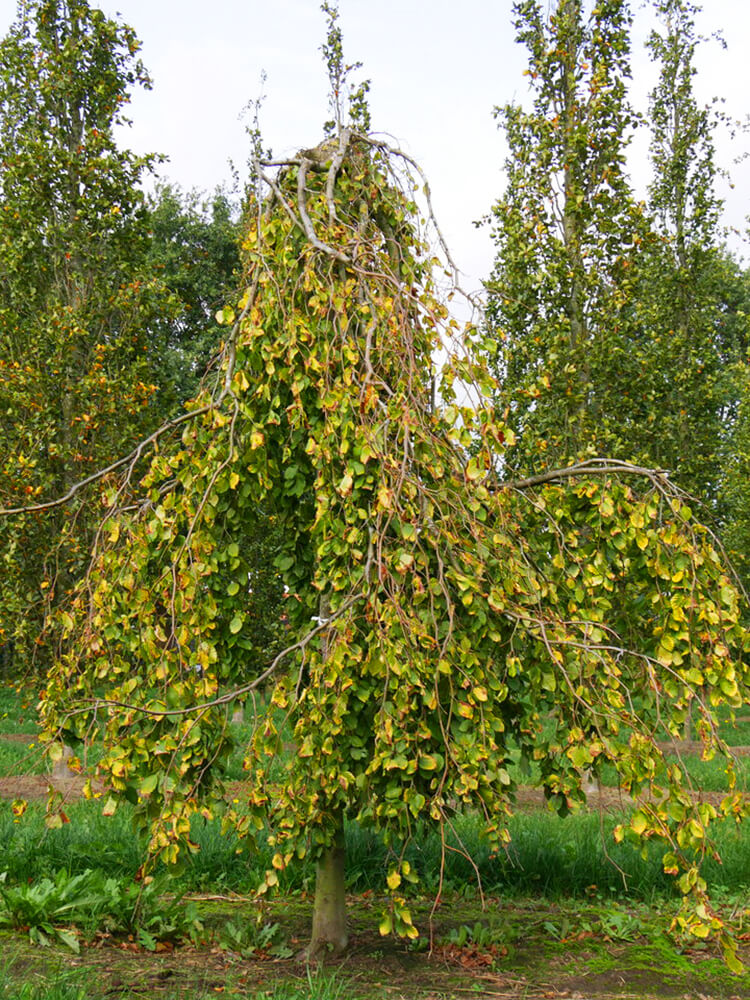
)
(437, 71)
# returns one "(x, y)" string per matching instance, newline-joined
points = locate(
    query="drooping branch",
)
(132, 458)
(473, 299)
(307, 225)
(594, 466)
(87, 704)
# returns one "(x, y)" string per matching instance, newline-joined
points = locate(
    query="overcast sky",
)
(436, 71)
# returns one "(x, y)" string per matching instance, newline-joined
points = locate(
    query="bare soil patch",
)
(376, 968)
(35, 787)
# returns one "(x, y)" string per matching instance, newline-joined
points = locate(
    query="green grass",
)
(320, 985)
(60, 985)
(18, 717)
(45, 990)
(18, 710)
(706, 775)
(547, 856)
(21, 758)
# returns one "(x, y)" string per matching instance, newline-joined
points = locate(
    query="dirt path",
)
(35, 787)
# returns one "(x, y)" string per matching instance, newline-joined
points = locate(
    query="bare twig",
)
(395, 151)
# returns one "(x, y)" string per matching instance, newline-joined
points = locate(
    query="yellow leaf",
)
(638, 823)
(385, 497)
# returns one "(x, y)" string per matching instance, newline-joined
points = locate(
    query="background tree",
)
(77, 301)
(698, 295)
(734, 492)
(194, 250)
(687, 293)
(615, 329)
(564, 330)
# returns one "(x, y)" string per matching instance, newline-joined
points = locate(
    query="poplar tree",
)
(564, 331)
(686, 293)
(609, 322)
(76, 303)
(734, 492)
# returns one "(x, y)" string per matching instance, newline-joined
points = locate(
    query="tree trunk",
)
(329, 910)
(687, 728)
(60, 769)
(329, 932)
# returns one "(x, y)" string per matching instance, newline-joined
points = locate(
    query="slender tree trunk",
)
(329, 932)
(329, 914)
(687, 726)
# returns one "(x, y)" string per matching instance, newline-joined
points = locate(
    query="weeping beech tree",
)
(438, 617)
(441, 620)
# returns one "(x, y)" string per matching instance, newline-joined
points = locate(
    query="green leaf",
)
(148, 784)
(473, 471)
